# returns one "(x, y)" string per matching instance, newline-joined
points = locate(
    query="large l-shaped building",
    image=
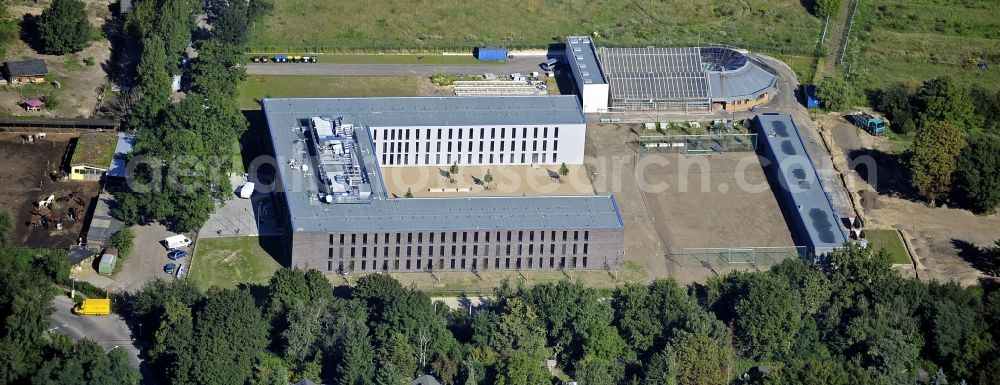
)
(329, 153)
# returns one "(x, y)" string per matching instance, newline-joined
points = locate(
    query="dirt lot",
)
(507, 181)
(944, 240)
(25, 176)
(670, 202)
(78, 92)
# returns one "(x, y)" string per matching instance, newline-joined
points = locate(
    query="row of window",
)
(488, 236)
(508, 250)
(460, 263)
(404, 159)
(404, 133)
(391, 147)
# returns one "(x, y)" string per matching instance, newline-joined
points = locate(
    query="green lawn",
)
(226, 262)
(393, 59)
(890, 240)
(260, 86)
(922, 39)
(460, 25)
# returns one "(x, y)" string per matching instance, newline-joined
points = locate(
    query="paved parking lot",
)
(147, 260)
(242, 217)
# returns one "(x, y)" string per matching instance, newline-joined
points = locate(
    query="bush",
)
(835, 93)
(824, 8)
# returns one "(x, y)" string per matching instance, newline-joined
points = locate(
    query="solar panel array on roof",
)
(653, 77)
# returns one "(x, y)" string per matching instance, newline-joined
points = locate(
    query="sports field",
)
(917, 40)
(406, 25)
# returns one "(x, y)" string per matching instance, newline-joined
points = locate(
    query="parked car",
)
(180, 271)
(169, 268)
(177, 254)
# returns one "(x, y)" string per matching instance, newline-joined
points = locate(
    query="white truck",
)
(247, 190)
(176, 241)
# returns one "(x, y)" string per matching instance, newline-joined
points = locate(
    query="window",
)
(432, 238)
(341, 239)
(556, 134)
(331, 239)
(354, 239)
(398, 236)
(465, 236)
(576, 235)
(409, 237)
(493, 133)
(565, 235)
(520, 236)
(535, 133)
(417, 133)
(459, 134)
(450, 132)
(475, 236)
(585, 248)
(364, 238)
(586, 235)
(545, 132)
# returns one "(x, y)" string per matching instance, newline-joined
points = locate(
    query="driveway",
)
(242, 217)
(520, 64)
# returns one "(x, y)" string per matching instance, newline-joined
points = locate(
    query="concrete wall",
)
(459, 250)
(480, 145)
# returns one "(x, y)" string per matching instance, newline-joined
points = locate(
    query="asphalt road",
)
(109, 331)
(520, 64)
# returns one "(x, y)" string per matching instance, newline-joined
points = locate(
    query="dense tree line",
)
(183, 147)
(957, 136)
(854, 322)
(30, 354)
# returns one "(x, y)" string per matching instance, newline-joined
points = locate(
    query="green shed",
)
(108, 260)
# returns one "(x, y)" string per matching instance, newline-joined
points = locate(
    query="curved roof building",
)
(678, 78)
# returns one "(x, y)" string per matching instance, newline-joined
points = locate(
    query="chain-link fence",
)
(699, 144)
(736, 258)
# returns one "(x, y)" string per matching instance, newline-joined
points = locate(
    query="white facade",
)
(587, 76)
(535, 144)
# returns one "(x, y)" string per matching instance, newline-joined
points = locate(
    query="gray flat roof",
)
(126, 142)
(437, 111)
(584, 55)
(797, 175)
(684, 74)
(285, 119)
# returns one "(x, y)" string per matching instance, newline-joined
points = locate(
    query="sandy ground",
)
(78, 92)
(25, 176)
(670, 202)
(507, 181)
(942, 239)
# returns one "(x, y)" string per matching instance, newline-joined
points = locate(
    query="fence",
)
(699, 144)
(736, 258)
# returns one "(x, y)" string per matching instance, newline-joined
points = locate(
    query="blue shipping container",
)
(809, 96)
(491, 53)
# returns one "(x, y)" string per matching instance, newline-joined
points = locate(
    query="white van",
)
(247, 190)
(176, 242)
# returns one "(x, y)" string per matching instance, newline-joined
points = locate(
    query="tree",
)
(174, 341)
(64, 27)
(816, 371)
(85, 363)
(154, 81)
(355, 363)
(978, 173)
(174, 23)
(941, 100)
(409, 193)
(563, 171)
(269, 370)
(521, 368)
(768, 317)
(701, 359)
(229, 333)
(596, 371)
(824, 8)
(835, 93)
(6, 225)
(896, 102)
(122, 240)
(487, 179)
(933, 158)
(454, 169)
